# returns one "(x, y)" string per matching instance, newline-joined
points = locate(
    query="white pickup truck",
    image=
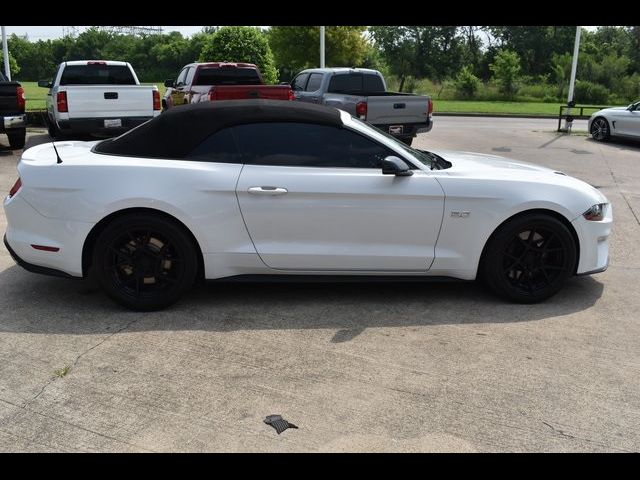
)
(98, 97)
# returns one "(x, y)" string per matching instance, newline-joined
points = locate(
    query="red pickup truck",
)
(204, 82)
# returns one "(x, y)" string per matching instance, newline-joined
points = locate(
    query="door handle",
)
(267, 190)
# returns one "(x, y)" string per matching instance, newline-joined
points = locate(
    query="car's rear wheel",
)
(406, 140)
(600, 130)
(145, 262)
(17, 138)
(529, 258)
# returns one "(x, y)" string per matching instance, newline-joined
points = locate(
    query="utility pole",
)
(321, 47)
(5, 50)
(572, 81)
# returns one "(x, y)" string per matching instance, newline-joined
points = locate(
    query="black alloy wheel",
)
(145, 262)
(530, 258)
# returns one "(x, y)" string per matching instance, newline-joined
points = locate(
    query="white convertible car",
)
(615, 122)
(271, 188)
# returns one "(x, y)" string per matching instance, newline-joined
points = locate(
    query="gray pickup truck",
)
(363, 93)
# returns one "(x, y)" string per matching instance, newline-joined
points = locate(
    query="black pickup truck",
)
(13, 120)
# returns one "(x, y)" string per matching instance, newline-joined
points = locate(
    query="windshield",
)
(428, 159)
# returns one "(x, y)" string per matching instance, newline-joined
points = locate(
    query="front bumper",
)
(594, 243)
(11, 122)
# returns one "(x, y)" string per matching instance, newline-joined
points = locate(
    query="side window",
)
(307, 145)
(181, 78)
(191, 72)
(300, 82)
(219, 147)
(315, 80)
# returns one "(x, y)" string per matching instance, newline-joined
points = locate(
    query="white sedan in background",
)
(282, 189)
(615, 122)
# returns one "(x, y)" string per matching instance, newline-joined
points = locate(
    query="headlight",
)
(595, 213)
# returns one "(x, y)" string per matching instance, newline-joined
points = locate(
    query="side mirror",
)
(169, 83)
(45, 83)
(284, 83)
(393, 165)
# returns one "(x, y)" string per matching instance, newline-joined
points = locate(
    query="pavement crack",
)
(75, 362)
(557, 430)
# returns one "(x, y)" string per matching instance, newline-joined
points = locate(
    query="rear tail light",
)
(156, 100)
(61, 100)
(21, 98)
(361, 110)
(292, 95)
(212, 94)
(96, 63)
(429, 107)
(15, 188)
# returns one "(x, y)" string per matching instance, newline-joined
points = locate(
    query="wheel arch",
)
(89, 243)
(545, 211)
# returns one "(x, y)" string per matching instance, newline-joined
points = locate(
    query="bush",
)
(589, 92)
(242, 44)
(506, 70)
(466, 83)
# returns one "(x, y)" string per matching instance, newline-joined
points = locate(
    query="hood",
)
(482, 162)
(605, 110)
(481, 166)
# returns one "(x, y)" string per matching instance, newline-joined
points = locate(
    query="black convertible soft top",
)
(178, 131)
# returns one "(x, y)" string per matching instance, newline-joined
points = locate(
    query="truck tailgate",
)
(8, 97)
(247, 92)
(397, 109)
(97, 101)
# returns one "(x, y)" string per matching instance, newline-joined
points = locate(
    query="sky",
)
(36, 33)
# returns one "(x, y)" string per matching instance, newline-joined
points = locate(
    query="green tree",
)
(297, 48)
(561, 70)
(467, 83)
(14, 68)
(242, 44)
(506, 70)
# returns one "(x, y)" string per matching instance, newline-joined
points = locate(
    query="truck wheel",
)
(406, 140)
(17, 138)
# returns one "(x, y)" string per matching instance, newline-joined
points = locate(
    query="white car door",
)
(314, 198)
(626, 121)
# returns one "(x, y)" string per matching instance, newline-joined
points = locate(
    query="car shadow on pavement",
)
(619, 143)
(39, 304)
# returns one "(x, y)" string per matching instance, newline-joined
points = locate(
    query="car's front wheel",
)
(145, 262)
(600, 129)
(529, 258)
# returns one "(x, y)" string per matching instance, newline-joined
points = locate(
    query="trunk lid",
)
(96, 101)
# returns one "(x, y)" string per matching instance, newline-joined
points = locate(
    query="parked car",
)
(98, 96)
(13, 120)
(616, 122)
(363, 93)
(204, 82)
(258, 187)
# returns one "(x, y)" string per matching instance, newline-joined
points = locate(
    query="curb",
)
(492, 115)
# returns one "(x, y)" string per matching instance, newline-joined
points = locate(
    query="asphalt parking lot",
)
(357, 367)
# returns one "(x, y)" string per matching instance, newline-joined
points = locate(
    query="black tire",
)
(529, 258)
(17, 138)
(600, 129)
(406, 140)
(145, 262)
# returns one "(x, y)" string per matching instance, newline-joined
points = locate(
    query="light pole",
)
(572, 81)
(321, 47)
(5, 50)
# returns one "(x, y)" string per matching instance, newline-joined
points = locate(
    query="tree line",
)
(463, 62)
